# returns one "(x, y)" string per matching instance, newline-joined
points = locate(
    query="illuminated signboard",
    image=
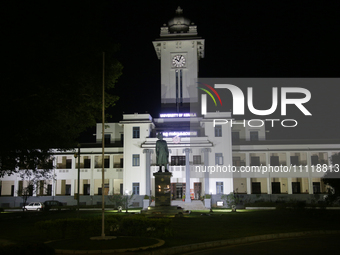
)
(177, 115)
(179, 133)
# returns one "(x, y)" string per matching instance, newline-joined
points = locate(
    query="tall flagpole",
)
(103, 148)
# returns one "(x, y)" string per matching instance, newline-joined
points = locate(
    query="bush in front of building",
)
(142, 226)
(123, 226)
(63, 228)
(27, 249)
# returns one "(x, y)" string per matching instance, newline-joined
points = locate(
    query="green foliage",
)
(332, 179)
(124, 226)
(231, 199)
(142, 226)
(27, 249)
(120, 200)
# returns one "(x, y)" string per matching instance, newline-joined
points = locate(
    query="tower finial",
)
(179, 10)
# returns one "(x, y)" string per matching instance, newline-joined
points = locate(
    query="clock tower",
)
(179, 49)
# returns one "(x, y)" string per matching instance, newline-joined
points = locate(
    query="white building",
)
(195, 146)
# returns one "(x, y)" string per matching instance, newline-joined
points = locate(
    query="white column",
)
(16, 185)
(73, 187)
(248, 185)
(248, 179)
(289, 183)
(206, 174)
(111, 191)
(92, 183)
(269, 181)
(187, 176)
(269, 186)
(289, 179)
(310, 178)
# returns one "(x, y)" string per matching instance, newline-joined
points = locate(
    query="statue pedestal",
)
(163, 197)
(162, 189)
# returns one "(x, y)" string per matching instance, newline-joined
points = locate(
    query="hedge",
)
(123, 226)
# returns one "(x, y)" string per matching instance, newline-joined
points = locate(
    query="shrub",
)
(27, 249)
(141, 226)
(114, 225)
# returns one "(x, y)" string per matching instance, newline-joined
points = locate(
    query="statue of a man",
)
(162, 153)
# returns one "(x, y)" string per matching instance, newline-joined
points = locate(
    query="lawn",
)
(199, 226)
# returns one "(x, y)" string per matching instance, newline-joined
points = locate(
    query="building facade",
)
(204, 158)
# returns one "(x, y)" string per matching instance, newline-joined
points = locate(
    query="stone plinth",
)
(162, 189)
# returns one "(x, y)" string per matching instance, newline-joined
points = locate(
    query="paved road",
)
(323, 244)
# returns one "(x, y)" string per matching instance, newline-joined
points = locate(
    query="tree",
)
(120, 200)
(332, 179)
(33, 179)
(52, 81)
(231, 200)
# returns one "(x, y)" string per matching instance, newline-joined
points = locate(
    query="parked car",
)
(35, 206)
(52, 204)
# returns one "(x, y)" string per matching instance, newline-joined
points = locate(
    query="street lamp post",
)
(103, 148)
(126, 200)
(77, 155)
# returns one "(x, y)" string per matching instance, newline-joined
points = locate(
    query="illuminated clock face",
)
(178, 61)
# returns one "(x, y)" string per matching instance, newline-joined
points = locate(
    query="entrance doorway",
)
(177, 190)
(197, 190)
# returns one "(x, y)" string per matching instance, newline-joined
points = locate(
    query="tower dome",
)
(179, 24)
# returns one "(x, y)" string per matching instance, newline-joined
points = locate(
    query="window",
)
(294, 160)
(236, 161)
(135, 132)
(107, 138)
(197, 159)
(68, 163)
(218, 131)
(67, 189)
(316, 188)
(315, 160)
(219, 187)
(86, 189)
(336, 159)
(275, 161)
(218, 159)
(98, 162)
(254, 161)
(87, 162)
(254, 136)
(64, 162)
(178, 160)
(135, 188)
(30, 190)
(49, 189)
(121, 188)
(276, 187)
(256, 188)
(296, 187)
(107, 162)
(236, 136)
(135, 160)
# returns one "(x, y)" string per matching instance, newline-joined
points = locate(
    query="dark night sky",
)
(242, 39)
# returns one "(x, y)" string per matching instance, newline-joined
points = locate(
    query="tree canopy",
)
(52, 82)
